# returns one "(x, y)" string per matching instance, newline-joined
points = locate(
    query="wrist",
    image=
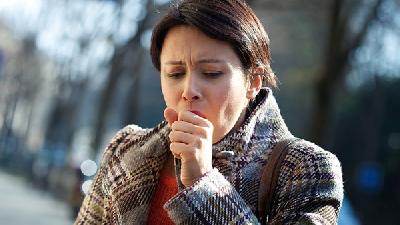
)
(193, 181)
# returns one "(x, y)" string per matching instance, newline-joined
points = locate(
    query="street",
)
(21, 204)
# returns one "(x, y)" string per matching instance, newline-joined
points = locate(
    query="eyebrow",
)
(202, 61)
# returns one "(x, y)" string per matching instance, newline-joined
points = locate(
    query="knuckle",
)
(175, 125)
(174, 146)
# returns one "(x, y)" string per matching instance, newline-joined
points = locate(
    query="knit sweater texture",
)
(309, 188)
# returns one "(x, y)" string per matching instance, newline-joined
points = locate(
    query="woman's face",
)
(204, 75)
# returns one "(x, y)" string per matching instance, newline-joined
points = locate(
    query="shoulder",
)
(122, 136)
(309, 185)
(128, 137)
(306, 153)
(309, 168)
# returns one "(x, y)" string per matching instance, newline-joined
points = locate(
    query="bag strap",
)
(269, 178)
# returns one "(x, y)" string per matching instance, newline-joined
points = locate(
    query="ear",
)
(255, 84)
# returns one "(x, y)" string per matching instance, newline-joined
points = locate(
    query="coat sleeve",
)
(310, 187)
(97, 206)
(211, 200)
(309, 191)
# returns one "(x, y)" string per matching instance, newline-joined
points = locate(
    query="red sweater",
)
(165, 190)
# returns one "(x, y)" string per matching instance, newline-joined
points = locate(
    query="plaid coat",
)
(309, 189)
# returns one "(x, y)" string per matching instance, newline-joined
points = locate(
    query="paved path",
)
(20, 204)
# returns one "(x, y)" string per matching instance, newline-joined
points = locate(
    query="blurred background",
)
(73, 72)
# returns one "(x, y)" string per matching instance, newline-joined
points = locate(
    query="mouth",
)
(199, 114)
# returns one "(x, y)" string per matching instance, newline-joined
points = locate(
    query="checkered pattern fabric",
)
(309, 189)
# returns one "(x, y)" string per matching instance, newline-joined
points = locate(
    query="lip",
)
(199, 113)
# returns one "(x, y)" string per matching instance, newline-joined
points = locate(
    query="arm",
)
(310, 192)
(310, 188)
(97, 205)
(206, 197)
(211, 200)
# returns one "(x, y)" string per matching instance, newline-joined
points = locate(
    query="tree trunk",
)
(338, 57)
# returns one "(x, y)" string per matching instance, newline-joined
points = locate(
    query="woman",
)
(221, 125)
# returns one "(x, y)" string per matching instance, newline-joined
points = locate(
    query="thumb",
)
(170, 115)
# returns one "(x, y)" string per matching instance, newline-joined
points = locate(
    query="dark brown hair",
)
(232, 21)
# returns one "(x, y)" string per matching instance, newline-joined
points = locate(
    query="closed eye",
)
(213, 74)
(175, 75)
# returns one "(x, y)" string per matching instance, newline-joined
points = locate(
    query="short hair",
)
(231, 21)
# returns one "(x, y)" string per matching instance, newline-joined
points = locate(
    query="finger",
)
(170, 115)
(182, 150)
(187, 127)
(193, 118)
(176, 156)
(182, 137)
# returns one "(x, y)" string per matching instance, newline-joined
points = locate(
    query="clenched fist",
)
(191, 142)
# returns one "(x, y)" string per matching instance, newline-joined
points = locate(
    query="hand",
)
(191, 141)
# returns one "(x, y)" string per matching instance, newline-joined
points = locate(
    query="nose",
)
(191, 90)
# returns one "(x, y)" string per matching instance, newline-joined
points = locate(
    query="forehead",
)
(186, 41)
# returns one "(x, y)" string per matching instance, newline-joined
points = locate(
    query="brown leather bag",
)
(269, 178)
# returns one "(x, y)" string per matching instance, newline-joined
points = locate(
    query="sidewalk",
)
(20, 204)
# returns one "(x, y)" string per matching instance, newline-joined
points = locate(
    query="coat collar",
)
(264, 124)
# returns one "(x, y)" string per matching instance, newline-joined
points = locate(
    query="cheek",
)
(234, 107)
(237, 102)
(231, 100)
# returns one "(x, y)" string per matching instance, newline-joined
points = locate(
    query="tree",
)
(341, 44)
